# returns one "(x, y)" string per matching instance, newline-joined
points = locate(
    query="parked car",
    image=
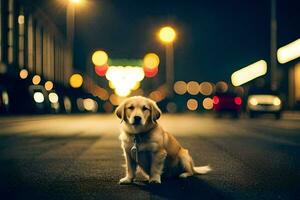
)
(264, 101)
(227, 102)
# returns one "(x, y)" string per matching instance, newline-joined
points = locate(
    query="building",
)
(30, 41)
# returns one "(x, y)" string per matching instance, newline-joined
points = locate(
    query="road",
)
(79, 157)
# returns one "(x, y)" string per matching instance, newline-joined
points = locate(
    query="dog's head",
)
(138, 112)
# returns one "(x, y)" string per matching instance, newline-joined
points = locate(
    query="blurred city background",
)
(78, 56)
(226, 75)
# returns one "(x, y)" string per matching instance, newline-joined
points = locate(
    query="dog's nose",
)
(137, 119)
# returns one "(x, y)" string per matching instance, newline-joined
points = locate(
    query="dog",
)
(147, 146)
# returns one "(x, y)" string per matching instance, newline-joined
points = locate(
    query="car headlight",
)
(253, 101)
(276, 101)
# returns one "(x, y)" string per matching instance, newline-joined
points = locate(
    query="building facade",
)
(30, 40)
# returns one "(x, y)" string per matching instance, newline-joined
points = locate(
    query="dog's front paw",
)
(155, 180)
(125, 180)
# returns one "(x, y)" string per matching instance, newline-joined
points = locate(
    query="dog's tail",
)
(201, 169)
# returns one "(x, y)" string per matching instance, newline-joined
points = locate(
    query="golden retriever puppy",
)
(147, 145)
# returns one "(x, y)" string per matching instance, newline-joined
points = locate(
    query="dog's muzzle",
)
(137, 120)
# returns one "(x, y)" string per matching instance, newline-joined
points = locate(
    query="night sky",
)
(214, 38)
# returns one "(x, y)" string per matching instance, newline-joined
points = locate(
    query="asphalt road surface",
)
(79, 157)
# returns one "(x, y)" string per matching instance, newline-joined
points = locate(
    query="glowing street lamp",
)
(151, 60)
(76, 81)
(249, 73)
(289, 52)
(167, 35)
(99, 58)
(70, 24)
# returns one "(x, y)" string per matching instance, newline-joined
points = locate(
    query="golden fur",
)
(159, 153)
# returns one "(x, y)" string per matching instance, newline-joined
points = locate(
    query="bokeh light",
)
(208, 103)
(36, 79)
(136, 86)
(249, 73)
(79, 103)
(289, 52)
(101, 93)
(124, 79)
(23, 74)
(206, 88)
(67, 104)
(167, 34)
(221, 86)
(180, 87)
(21, 19)
(53, 97)
(38, 97)
(48, 85)
(108, 107)
(76, 81)
(150, 72)
(115, 99)
(101, 70)
(171, 107)
(151, 60)
(238, 100)
(156, 96)
(192, 104)
(5, 98)
(99, 58)
(239, 91)
(90, 105)
(193, 87)
(75, 1)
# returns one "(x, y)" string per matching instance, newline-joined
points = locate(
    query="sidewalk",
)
(294, 115)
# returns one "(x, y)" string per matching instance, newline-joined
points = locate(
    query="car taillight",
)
(216, 100)
(238, 100)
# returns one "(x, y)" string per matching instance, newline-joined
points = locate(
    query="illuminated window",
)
(10, 33)
(52, 57)
(45, 54)
(21, 21)
(38, 50)
(30, 44)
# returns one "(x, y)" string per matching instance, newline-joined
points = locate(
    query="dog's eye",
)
(130, 107)
(145, 108)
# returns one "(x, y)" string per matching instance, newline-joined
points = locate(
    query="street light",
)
(70, 34)
(167, 35)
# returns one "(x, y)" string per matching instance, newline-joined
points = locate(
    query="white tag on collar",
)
(134, 152)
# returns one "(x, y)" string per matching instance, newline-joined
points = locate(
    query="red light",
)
(101, 70)
(150, 72)
(216, 100)
(238, 100)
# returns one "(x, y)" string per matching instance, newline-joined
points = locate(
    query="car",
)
(264, 101)
(227, 102)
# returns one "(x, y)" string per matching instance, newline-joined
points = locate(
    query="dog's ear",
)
(155, 111)
(120, 111)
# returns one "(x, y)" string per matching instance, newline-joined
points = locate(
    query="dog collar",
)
(134, 150)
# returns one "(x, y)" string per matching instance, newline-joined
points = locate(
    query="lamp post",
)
(167, 35)
(273, 49)
(70, 22)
